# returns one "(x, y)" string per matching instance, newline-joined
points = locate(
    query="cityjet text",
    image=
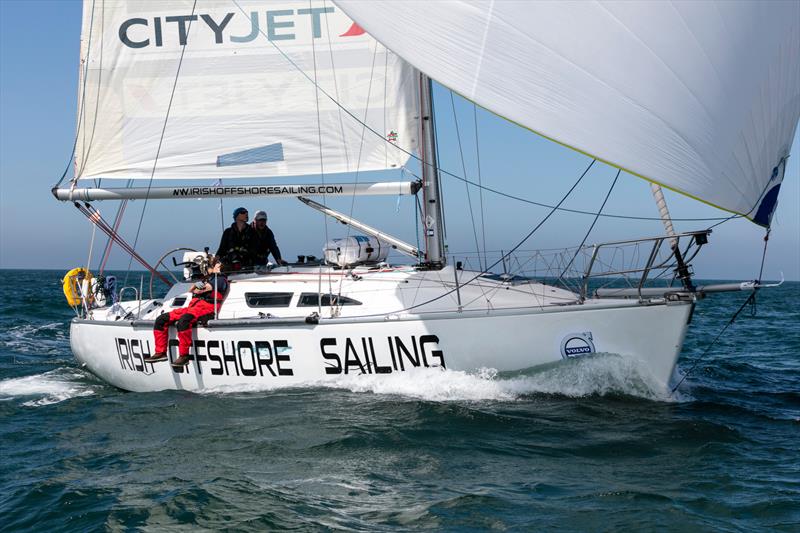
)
(274, 24)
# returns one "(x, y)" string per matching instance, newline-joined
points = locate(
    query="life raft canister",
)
(76, 282)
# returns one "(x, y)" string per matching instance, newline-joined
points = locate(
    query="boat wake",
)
(48, 388)
(599, 375)
(30, 339)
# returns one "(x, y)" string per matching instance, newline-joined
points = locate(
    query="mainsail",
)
(701, 97)
(236, 100)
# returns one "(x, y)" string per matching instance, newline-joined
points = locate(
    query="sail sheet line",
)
(570, 210)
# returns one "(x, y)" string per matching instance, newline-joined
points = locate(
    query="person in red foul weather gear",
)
(207, 297)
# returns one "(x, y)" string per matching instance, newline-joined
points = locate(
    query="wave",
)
(599, 375)
(50, 387)
(29, 339)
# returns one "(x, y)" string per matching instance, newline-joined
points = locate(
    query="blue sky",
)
(39, 44)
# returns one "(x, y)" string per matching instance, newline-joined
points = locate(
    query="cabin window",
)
(312, 299)
(178, 302)
(268, 299)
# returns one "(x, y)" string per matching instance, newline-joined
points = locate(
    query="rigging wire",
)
(361, 146)
(91, 247)
(579, 211)
(591, 227)
(417, 158)
(751, 300)
(480, 189)
(336, 87)
(221, 211)
(161, 138)
(466, 185)
(117, 221)
(504, 256)
(321, 167)
(94, 216)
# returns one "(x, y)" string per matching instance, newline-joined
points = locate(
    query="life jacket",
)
(209, 297)
(213, 295)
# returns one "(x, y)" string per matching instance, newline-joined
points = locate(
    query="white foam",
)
(601, 374)
(425, 384)
(51, 387)
(45, 339)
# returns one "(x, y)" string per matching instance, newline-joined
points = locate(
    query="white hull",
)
(277, 353)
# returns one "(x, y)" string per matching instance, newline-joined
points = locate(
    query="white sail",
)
(239, 107)
(701, 97)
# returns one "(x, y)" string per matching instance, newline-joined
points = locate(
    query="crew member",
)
(236, 245)
(207, 297)
(264, 242)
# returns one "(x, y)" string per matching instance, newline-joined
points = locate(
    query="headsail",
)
(239, 108)
(701, 97)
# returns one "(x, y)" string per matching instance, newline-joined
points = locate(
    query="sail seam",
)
(482, 49)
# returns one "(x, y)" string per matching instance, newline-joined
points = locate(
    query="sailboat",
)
(181, 100)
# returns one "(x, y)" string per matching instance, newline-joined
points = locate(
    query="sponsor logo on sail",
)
(272, 24)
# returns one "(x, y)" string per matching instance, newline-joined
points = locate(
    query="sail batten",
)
(701, 97)
(242, 104)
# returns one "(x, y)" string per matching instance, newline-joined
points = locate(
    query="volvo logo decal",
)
(577, 345)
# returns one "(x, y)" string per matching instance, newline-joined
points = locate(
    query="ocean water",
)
(586, 445)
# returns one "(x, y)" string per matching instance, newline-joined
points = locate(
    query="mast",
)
(431, 191)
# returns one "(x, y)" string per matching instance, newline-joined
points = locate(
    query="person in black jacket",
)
(264, 242)
(237, 243)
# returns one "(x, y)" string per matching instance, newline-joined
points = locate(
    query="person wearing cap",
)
(237, 243)
(264, 242)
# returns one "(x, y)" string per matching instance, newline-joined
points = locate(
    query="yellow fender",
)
(72, 286)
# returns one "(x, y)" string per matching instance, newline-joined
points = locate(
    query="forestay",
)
(239, 107)
(701, 97)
